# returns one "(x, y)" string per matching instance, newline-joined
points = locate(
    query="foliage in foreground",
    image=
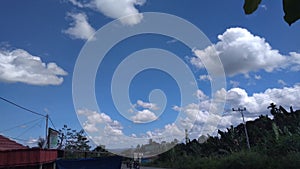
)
(244, 159)
(291, 9)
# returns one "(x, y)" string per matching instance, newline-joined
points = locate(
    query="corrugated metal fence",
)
(112, 162)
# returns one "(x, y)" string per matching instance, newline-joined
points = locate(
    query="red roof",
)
(14, 154)
(7, 144)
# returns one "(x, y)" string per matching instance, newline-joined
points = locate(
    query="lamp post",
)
(241, 110)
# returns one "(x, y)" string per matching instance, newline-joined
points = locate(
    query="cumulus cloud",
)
(295, 60)
(144, 112)
(93, 119)
(79, 27)
(258, 102)
(200, 95)
(146, 105)
(201, 121)
(168, 133)
(102, 129)
(119, 8)
(242, 52)
(144, 116)
(20, 66)
(115, 9)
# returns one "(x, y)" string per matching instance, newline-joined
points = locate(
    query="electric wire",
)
(24, 108)
(28, 110)
(11, 128)
(16, 138)
(52, 123)
(38, 123)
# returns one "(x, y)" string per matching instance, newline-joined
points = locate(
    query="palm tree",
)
(41, 142)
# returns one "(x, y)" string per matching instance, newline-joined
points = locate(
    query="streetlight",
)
(241, 111)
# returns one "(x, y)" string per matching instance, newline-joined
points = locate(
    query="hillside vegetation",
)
(275, 144)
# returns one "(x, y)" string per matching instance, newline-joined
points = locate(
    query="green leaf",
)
(291, 9)
(250, 6)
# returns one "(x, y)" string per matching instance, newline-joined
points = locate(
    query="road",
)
(124, 167)
(151, 168)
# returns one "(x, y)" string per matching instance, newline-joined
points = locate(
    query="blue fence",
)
(113, 162)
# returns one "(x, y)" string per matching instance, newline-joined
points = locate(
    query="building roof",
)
(7, 144)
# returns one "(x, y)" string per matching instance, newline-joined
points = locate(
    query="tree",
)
(273, 108)
(72, 140)
(291, 9)
(81, 141)
(41, 142)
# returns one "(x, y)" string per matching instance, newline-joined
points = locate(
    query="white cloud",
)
(200, 95)
(201, 121)
(93, 119)
(115, 9)
(112, 131)
(242, 52)
(103, 130)
(79, 27)
(263, 6)
(234, 83)
(281, 82)
(146, 105)
(295, 60)
(172, 41)
(168, 133)
(196, 61)
(119, 8)
(258, 102)
(33, 141)
(257, 77)
(144, 116)
(20, 66)
(205, 77)
(79, 3)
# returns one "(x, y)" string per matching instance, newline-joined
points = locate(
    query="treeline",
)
(275, 144)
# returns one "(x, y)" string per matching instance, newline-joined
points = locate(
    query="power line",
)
(16, 138)
(24, 108)
(52, 123)
(31, 111)
(20, 125)
(34, 125)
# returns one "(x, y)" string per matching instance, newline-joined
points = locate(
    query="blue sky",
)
(40, 42)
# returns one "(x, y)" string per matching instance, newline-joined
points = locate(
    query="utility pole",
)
(241, 110)
(187, 140)
(46, 133)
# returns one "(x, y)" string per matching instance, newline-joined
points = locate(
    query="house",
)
(18, 156)
(7, 144)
